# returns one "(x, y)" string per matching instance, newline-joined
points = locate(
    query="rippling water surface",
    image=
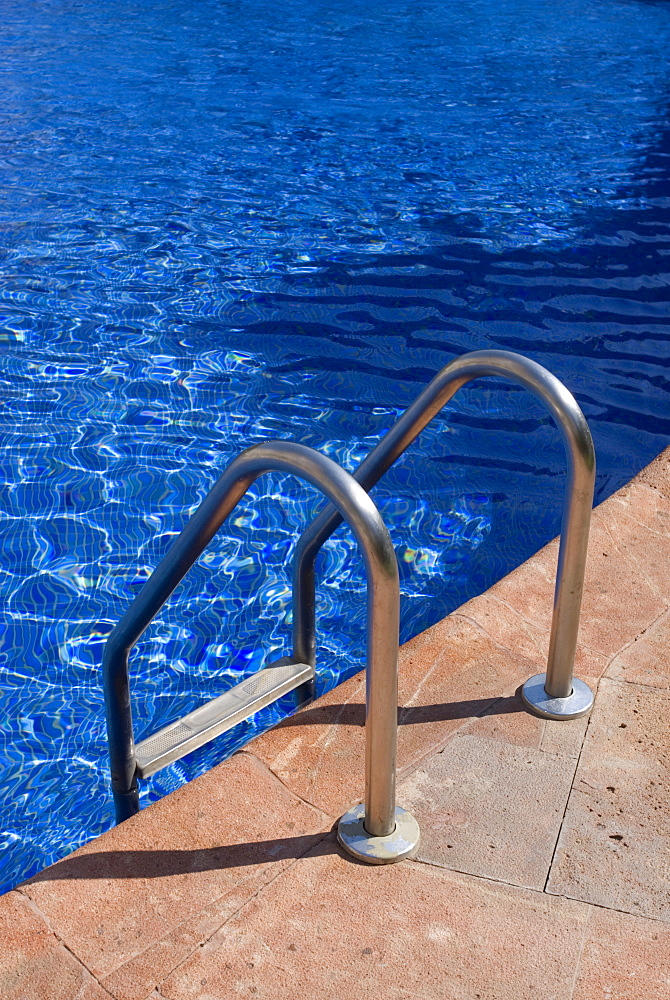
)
(227, 222)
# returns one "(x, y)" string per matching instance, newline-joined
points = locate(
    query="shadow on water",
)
(594, 310)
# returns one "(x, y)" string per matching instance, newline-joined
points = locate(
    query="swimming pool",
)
(223, 223)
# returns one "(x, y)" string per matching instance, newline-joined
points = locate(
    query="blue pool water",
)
(227, 222)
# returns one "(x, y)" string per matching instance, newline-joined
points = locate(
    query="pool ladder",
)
(377, 831)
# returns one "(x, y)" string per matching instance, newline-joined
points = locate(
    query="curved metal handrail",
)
(381, 816)
(556, 695)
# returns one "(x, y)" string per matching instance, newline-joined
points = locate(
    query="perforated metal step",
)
(220, 715)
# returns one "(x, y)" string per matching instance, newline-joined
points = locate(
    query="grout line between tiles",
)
(234, 913)
(248, 753)
(582, 945)
(61, 941)
(569, 795)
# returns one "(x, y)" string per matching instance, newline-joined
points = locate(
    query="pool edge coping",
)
(509, 626)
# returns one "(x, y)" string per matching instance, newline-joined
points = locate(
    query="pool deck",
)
(544, 866)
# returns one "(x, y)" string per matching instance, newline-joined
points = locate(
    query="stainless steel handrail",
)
(381, 832)
(556, 694)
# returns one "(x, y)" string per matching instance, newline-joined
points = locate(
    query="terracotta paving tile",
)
(614, 843)
(509, 721)
(334, 929)
(490, 808)
(143, 973)
(33, 963)
(528, 591)
(565, 738)
(136, 978)
(645, 660)
(626, 585)
(143, 879)
(318, 753)
(657, 474)
(642, 503)
(529, 639)
(507, 626)
(516, 611)
(640, 524)
(624, 958)
(449, 674)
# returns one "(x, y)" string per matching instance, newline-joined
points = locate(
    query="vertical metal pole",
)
(381, 709)
(382, 832)
(570, 575)
(120, 731)
(558, 694)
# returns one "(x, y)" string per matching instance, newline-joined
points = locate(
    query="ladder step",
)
(220, 714)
